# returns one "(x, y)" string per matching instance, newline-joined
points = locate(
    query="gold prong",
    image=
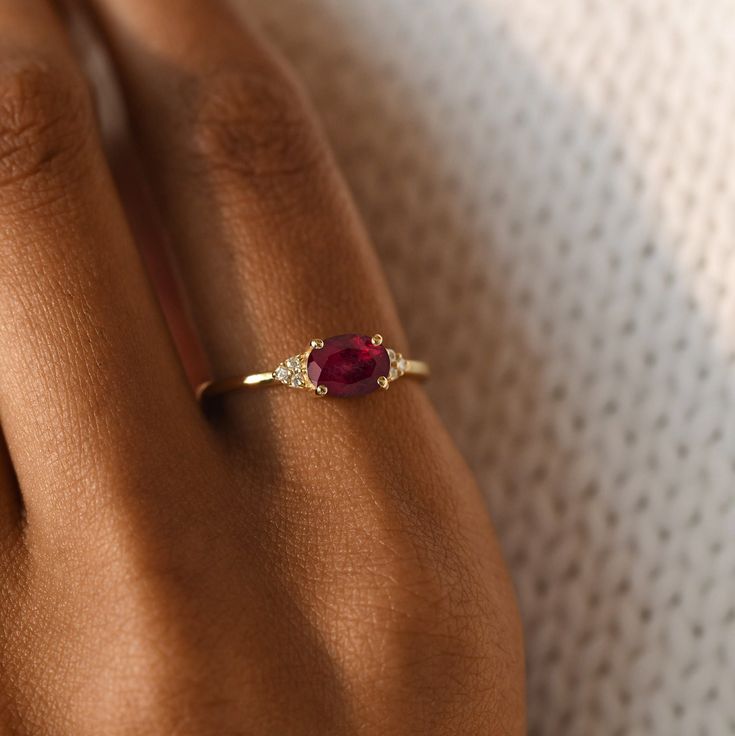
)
(321, 390)
(383, 383)
(377, 339)
(317, 343)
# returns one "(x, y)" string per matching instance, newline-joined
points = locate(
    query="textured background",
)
(551, 186)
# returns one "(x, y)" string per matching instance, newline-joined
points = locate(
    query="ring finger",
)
(273, 253)
(267, 237)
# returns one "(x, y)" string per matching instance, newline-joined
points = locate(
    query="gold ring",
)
(341, 366)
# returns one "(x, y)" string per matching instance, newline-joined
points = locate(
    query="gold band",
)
(210, 389)
(293, 372)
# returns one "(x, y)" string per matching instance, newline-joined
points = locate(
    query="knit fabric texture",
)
(551, 187)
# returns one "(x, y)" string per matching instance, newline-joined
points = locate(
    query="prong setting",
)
(386, 364)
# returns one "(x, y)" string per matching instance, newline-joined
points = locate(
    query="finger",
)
(269, 243)
(87, 372)
(273, 253)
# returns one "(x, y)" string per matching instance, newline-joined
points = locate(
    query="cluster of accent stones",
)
(292, 372)
(398, 365)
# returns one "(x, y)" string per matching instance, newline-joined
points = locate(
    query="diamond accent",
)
(398, 365)
(291, 372)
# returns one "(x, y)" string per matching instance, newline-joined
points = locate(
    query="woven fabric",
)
(551, 187)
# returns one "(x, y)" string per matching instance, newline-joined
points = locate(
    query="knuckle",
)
(45, 118)
(254, 125)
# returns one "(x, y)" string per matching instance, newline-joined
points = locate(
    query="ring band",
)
(341, 366)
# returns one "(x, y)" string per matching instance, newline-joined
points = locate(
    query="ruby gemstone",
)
(348, 365)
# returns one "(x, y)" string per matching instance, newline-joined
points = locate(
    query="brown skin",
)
(280, 564)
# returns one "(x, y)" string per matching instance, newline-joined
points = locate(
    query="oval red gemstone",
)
(348, 365)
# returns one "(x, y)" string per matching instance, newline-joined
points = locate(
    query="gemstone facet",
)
(348, 365)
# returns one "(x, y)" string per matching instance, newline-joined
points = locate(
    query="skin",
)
(276, 564)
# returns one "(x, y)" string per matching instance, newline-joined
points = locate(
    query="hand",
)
(280, 564)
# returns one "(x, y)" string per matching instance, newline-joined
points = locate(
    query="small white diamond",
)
(294, 364)
(393, 374)
(297, 382)
(281, 374)
(391, 355)
(402, 365)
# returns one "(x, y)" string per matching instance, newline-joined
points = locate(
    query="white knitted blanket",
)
(551, 186)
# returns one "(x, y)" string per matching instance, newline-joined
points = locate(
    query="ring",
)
(341, 366)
